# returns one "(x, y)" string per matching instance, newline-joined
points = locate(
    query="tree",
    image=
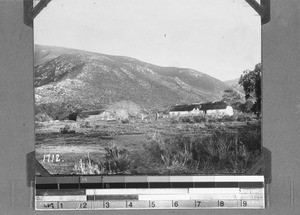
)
(230, 96)
(123, 109)
(58, 110)
(251, 82)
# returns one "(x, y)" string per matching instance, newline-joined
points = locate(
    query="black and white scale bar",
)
(151, 185)
(116, 182)
(152, 194)
(165, 192)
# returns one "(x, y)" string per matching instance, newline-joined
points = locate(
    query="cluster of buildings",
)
(210, 108)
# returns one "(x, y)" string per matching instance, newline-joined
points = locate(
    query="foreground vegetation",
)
(183, 145)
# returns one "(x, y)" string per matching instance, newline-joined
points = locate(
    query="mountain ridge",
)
(234, 83)
(63, 74)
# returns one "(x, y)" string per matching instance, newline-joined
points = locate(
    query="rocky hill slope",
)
(94, 79)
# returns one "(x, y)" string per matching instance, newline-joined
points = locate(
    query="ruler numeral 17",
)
(197, 203)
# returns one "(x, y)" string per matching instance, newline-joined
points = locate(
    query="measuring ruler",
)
(149, 192)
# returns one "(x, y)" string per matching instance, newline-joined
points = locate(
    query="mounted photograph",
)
(148, 87)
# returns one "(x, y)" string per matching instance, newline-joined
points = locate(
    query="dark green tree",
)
(251, 82)
(230, 96)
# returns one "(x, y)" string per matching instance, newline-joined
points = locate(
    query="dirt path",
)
(64, 149)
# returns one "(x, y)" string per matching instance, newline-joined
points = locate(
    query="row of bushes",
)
(241, 117)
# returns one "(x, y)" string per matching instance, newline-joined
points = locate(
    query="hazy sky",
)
(221, 38)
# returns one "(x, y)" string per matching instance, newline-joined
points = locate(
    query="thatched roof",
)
(203, 106)
(93, 112)
(185, 107)
(213, 106)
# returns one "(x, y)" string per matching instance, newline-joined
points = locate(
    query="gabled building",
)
(185, 110)
(210, 108)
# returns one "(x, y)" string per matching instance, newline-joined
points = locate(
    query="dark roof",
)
(93, 112)
(184, 107)
(213, 105)
(204, 106)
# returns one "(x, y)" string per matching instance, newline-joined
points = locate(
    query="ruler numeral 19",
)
(244, 203)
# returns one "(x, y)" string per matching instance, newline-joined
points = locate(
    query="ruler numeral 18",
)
(221, 203)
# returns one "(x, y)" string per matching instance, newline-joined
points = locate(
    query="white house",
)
(217, 108)
(227, 111)
(211, 108)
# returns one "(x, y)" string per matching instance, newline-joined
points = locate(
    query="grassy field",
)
(186, 145)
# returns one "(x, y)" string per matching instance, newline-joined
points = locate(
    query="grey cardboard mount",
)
(281, 111)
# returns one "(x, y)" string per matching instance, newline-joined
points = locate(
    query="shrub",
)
(42, 117)
(193, 119)
(199, 118)
(242, 117)
(38, 125)
(187, 119)
(124, 121)
(174, 120)
(86, 166)
(171, 153)
(227, 118)
(67, 130)
(117, 160)
(250, 136)
(85, 125)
